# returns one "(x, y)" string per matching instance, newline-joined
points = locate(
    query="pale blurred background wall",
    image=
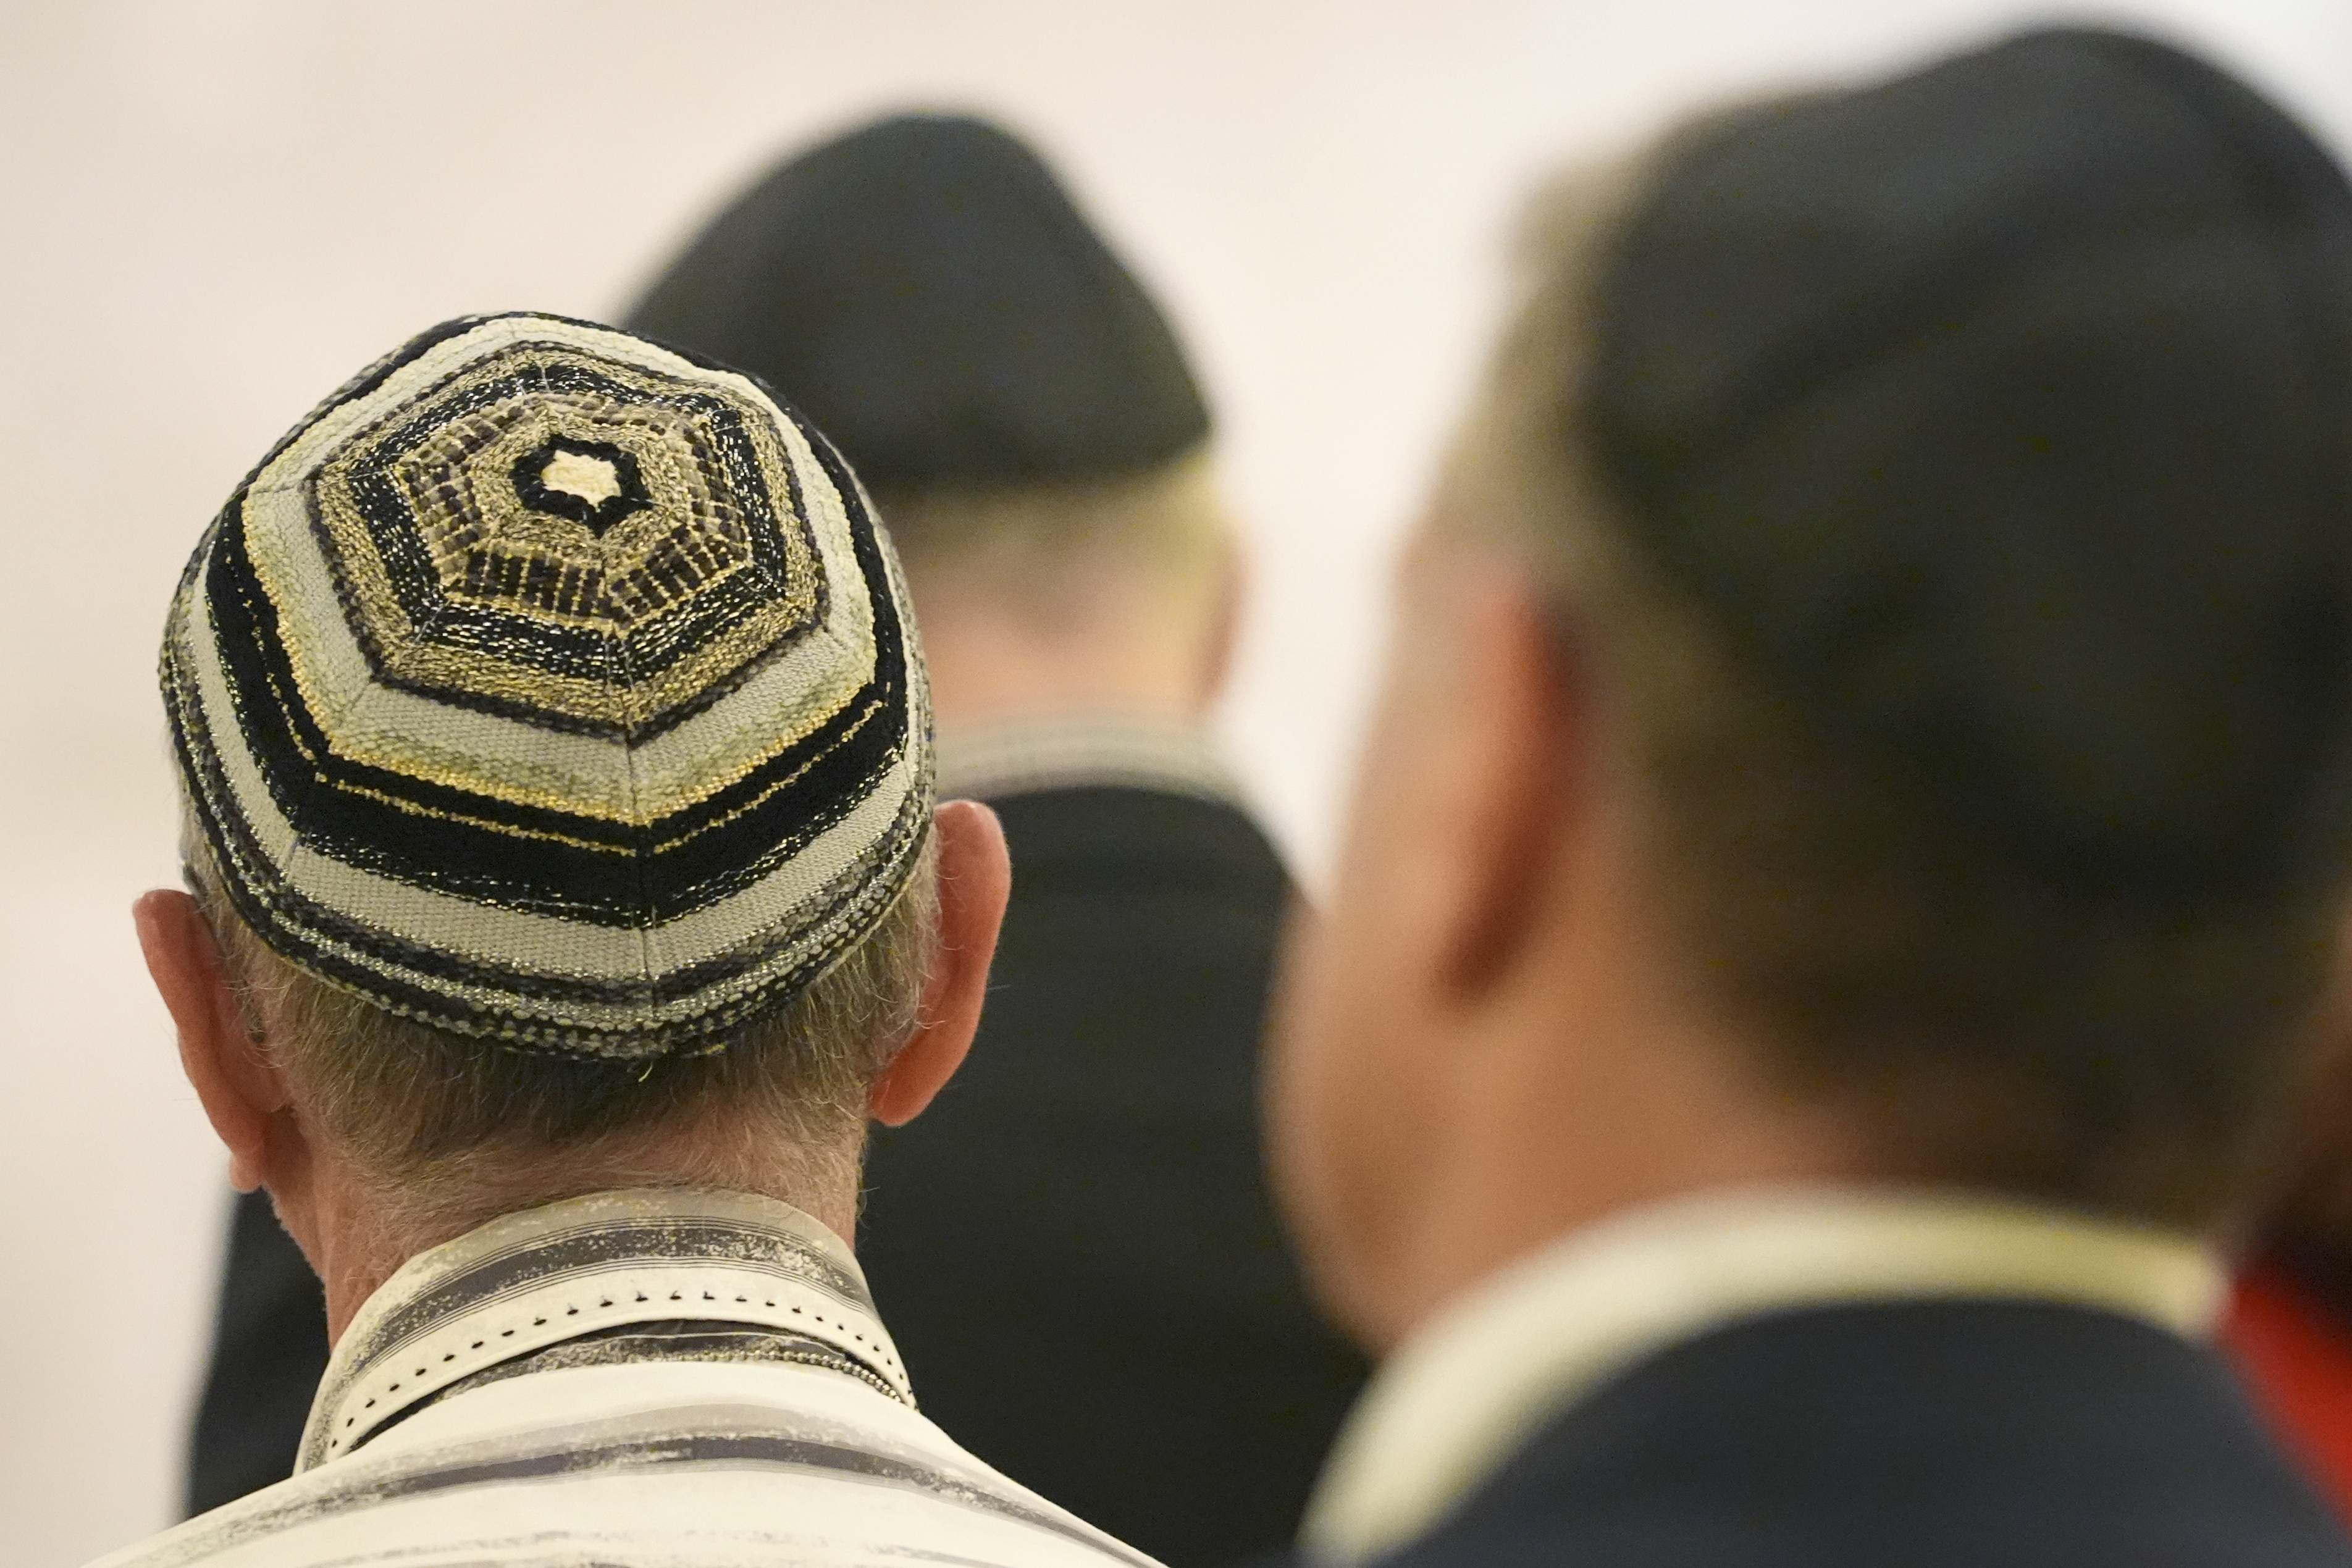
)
(214, 213)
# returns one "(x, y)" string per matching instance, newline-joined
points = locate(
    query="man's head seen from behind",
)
(1871, 703)
(556, 752)
(925, 289)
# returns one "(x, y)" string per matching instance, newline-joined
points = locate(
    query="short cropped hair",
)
(1170, 519)
(415, 1106)
(1987, 1024)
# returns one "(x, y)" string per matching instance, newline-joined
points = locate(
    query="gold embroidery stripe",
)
(862, 720)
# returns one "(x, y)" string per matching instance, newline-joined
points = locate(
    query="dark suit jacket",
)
(1074, 1247)
(269, 1350)
(1943, 1435)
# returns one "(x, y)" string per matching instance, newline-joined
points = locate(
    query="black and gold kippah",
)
(548, 687)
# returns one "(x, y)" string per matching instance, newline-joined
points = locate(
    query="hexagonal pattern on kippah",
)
(546, 685)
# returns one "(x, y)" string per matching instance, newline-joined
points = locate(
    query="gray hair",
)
(1169, 518)
(444, 1132)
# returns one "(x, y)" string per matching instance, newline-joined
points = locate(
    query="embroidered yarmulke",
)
(548, 687)
(926, 290)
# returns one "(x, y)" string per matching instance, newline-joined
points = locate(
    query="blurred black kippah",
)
(924, 290)
(2004, 413)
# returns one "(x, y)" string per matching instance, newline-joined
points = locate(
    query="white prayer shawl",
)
(655, 1377)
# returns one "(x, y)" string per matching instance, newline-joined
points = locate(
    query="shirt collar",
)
(526, 1281)
(1467, 1389)
(1081, 750)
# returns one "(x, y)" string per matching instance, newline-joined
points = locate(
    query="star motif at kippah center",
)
(592, 479)
(594, 483)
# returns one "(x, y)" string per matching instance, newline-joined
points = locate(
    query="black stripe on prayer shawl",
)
(619, 1244)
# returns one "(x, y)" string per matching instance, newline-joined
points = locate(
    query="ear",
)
(240, 1091)
(975, 880)
(1229, 591)
(1516, 750)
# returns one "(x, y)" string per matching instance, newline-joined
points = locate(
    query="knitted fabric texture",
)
(552, 687)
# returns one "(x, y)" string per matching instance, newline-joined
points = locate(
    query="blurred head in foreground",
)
(1870, 703)
(560, 810)
(2308, 1227)
(925, 291)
